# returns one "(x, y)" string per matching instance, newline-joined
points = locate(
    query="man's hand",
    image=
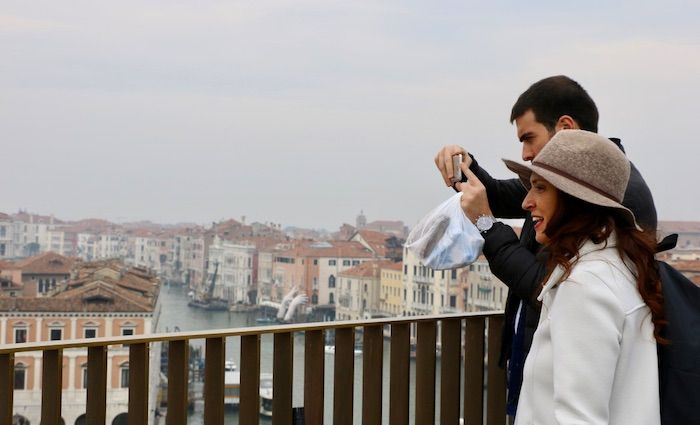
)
(443, 161)
(474, 200)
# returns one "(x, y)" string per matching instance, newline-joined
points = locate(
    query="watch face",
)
(484, 223)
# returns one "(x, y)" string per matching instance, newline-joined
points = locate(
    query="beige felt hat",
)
(583, 164)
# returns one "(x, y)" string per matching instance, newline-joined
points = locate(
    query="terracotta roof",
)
(366, 269)
(393, 266)
(46, 263)
(93, 300)
(122, 299)
(5, 217)
(335, 249)
(695, 280)
(132, 279)
(35, 218)
(679, 226)
(686, 265)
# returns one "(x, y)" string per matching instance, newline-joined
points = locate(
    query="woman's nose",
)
(527, 202)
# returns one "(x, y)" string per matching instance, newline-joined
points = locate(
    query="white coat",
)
(593, 358)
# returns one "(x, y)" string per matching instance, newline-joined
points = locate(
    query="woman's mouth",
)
(537, 222)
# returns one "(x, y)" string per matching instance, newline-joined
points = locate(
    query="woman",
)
(593, 358)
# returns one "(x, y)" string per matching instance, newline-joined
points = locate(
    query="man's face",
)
(532, 134)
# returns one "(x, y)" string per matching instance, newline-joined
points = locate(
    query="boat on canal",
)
(232, 388)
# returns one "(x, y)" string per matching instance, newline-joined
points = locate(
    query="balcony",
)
(469, 345)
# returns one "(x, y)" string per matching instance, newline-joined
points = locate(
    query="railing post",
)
(425, 373)
(474, 371)
(178, 374)
(249, 410)
(214, 377)
(282, 364)
(496, 388)
(449, 371)
(344, 372)
(314, 374)
(138, 383)
(51, 387)
(7, 381)
(96, 412)
(400, 373)
(372, 374)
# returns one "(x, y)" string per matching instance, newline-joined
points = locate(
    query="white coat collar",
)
(587, 248)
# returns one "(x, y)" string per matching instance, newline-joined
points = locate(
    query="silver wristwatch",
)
(484, 223)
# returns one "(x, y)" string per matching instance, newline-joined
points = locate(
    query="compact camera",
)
(457, 168)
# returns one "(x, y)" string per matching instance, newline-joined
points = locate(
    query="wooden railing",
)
(469, 350)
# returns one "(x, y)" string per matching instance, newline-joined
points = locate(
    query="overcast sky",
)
(306, 112)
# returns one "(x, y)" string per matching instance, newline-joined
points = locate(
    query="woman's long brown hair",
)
(576, 221)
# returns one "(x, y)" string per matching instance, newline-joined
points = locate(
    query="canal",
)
(174, 312)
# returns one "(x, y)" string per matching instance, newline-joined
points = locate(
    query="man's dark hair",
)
(553, 97)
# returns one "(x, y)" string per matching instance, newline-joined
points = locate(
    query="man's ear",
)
(565, 122)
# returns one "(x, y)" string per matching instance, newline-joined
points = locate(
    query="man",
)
(549, 105)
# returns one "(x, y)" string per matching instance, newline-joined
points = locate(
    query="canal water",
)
(174, 312)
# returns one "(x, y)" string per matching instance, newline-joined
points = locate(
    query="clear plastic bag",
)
(445, 238)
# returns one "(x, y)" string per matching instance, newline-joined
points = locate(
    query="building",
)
(236, 267)
(358, 291)
(314, 267)
(392, 295)
(37, 276)
(429, 291)
(7, 243)
(483, 292)
(102, 300)
(381, 244)
(688, 233)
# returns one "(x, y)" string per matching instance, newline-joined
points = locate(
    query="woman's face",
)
(541, 201)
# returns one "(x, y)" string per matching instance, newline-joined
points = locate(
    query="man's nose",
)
(527, 154)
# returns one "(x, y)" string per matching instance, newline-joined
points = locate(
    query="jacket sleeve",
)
(505, 196)
(586, 324)
(514, 263)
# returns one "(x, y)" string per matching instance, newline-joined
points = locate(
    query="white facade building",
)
(429, 291)
(236, 266)
(7, 243)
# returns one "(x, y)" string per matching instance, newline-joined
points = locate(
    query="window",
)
(55, 334)
(20, 334)
(315, 262)
(331, 281)
(127, 331)
(20, 376)
(405, 269)
(453, 301)
(83, 374)
(346, 262)
(454, 274)
(90, 333)
(355, 262)
(331, 262)
(330, 299)
(124, 375)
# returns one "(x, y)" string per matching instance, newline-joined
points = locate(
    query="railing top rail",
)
(220, 333)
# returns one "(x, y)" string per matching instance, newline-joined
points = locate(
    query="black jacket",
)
(514, 260)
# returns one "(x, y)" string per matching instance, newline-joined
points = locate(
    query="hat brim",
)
(568, 186)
